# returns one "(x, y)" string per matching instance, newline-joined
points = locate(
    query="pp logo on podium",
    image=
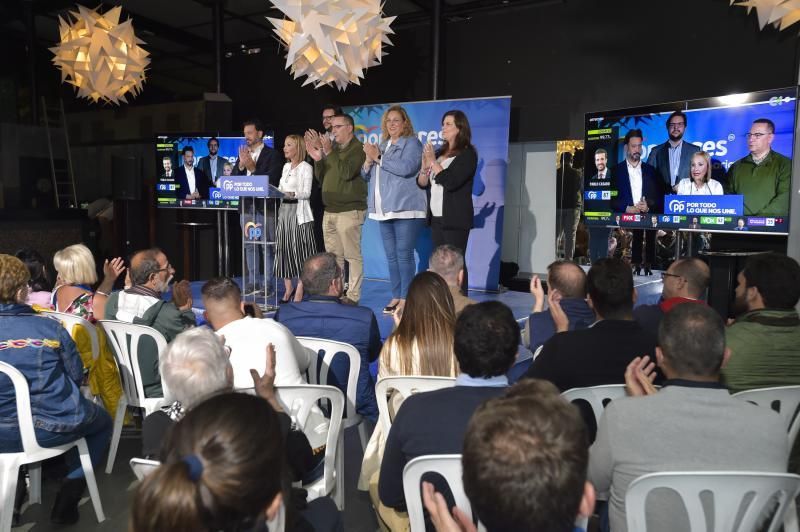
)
(253, 231)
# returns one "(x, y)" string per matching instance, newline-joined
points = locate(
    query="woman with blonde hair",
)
(295, 230)
(394, 200)
(73, 294)
(421, 344)
(699, 181)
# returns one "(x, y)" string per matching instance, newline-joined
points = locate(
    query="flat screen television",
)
(169, 158)
(746, 139)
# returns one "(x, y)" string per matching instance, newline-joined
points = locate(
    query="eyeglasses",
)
(337, 126)
(756, 135)
(664, 276)
(327, 117)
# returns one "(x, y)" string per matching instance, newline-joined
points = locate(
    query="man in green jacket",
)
(344, 193)
(141, 304)
(764, 176)
(765, 339)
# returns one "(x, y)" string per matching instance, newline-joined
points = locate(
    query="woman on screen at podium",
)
(699, 181)
(448, 175)
(394, 200)
(295, 231)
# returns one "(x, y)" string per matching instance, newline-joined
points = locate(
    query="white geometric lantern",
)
(332, 42)
(100, 56)
(780, 13)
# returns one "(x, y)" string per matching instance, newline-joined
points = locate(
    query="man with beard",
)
(639, 191)
(150, 273)
(673, 158)
(212, 164)
(765, 339)
(311, 136)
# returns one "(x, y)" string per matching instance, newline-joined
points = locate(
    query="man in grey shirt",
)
(691, 424)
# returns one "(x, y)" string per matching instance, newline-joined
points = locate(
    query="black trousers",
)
(649, 238)
(455, 237)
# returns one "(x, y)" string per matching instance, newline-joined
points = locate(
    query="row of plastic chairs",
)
(740, 499)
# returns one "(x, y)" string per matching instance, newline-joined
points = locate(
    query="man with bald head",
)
(686, 280)
(448, 262)
(150, 274)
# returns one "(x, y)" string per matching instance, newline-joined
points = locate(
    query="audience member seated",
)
(686, 280)
(42, 350)
(568, 281)
(40, 287)
(485, 344)
(421, 344)
(524, 465)
(222, 469)
(321, 315)
(448, 262)
(195, 366)
(597, 355)
(150, 273)
(765, 339)
(247, 337)
(691, 424)
(73, 295)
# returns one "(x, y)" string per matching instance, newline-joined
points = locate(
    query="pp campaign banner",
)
(489, 121)
(729, 205)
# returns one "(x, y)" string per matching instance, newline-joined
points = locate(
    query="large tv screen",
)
(170, 157)
(716, 164)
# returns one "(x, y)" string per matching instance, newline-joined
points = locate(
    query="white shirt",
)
(254, 154)
(437, 190)
(298, 180)
(190, 178)
(712, 188)
(248, 339)
(635, 177)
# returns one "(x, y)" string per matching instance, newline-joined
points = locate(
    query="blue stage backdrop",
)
(489, 120)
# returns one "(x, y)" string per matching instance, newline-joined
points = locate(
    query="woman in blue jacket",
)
(394, 199)
(42, 350)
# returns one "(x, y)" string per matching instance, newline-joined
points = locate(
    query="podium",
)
(258, 216)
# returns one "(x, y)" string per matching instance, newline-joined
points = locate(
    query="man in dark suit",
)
(192, 182)
(673, 159)
(600, 354)
(258, 159)
(212, 165)
(639, 191)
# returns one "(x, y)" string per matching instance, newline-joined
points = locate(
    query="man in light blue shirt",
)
(673, 158)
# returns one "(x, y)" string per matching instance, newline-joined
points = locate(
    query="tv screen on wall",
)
(716, 164)
(171, 154)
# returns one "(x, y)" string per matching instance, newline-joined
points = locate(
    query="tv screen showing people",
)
(190, 169)
(716, 164)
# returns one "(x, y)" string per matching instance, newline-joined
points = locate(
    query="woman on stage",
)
(448, 175)
(394, 199)
(700, 181)
(295, 231)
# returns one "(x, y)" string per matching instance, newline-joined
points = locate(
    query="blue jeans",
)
(399, 238)
(97, 433)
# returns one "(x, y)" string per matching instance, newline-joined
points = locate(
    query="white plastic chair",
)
(124, 340)
(142, 467)
(405, 386)
(33, 454)
(318, 374)
(730, 490)
(298, 401)
(597, 396)
(782, 399)
(447, 465)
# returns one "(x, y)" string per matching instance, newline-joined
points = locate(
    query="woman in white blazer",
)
(700, 182)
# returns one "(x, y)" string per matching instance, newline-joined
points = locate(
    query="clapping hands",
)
(639, 377)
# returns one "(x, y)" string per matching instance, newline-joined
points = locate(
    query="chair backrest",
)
(758, 491)
(298, 402)
(784, 400)
(318, 369)
(405, 386)
(598, 397)
(142, 467)
(71, 321)
(124, 340)
(24, 416)
(447, 465)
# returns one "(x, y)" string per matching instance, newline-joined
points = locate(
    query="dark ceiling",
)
(179, 34)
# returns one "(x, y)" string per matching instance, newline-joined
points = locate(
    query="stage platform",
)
(376, 293)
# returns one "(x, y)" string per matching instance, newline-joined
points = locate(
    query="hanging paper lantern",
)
(780, 13)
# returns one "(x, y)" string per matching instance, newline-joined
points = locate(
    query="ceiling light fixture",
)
(779, 13)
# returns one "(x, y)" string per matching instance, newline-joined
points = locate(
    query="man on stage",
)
(192, 182)
(639, 191)
(673, 158)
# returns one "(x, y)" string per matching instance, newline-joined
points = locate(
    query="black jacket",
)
(457, 209)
